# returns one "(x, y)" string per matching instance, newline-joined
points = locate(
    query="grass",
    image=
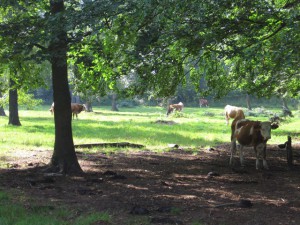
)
(194, 128)
(13, 213)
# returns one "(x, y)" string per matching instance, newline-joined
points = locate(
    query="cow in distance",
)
(233, 112)
(175, 107)
(76, 108)
(203, 102)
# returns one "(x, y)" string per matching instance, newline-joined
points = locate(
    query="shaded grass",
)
(13, 213)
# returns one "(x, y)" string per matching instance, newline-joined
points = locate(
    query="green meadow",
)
(194, 128)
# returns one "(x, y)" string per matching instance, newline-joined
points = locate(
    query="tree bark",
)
(13, 105)
(114, 102)
(248, 102)
(2, 112)
(88, 105)
(285, 109)
(64, 158)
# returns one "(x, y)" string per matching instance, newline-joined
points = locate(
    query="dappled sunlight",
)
(200, 127)
(174, 180)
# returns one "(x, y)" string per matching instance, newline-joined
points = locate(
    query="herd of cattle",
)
(246, 132)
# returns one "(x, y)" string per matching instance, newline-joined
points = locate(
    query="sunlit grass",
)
(195, 128)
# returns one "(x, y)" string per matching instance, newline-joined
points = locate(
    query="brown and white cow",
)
(233, 112)
(52, 108)
(175, 107)
(203, 102)
(252, 134)
(75, 108)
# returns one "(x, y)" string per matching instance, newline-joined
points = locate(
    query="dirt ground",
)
(175, 187)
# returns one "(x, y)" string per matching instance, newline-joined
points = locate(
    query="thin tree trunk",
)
(248, 102)
(88, 105)
(285, 109)
(2, 112)
(13, 105)
(64, 158)
(284, 104)
(114, 102)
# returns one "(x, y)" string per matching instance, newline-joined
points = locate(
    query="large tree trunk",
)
(2, 112)
(64, 158)
(13, 105)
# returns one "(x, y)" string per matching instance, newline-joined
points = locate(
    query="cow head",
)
(265, 129)
(85, 107)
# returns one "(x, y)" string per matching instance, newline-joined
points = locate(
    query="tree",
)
(13, 104)
(114, 102)
(238, 44)
(64, 158)
(247, 45)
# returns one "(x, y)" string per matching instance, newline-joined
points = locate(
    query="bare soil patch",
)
(176, 187)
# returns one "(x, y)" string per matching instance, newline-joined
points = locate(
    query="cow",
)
(203, 102)
(75, 108)
(176, 107)
(233, 112)
(252, 134)
(52, 108)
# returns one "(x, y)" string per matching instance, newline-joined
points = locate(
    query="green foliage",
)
(139, 46)
(24, 99)
(28, 100)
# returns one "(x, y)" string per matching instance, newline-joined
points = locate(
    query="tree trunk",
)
(114, 102)
(64, 158)
(248, 102)
(2, 112)
(13, 105)
(285, 109)
(88, 105)
(284, 104)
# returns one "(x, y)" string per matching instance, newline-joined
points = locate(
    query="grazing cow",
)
(176, 107)
(233, 112)
(252, 134)
(75, 108)
(203, 102)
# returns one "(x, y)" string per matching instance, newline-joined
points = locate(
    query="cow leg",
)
(232, 151)
(257, 164)
(265, 164)
(241, 155)
(260, 151)
(227, 119)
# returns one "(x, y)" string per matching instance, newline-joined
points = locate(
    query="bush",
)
(28, 100)
(210, 114)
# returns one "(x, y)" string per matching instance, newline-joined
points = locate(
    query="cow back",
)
(251, 133)
(76, 108)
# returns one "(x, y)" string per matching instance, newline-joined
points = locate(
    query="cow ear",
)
(274, 126)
